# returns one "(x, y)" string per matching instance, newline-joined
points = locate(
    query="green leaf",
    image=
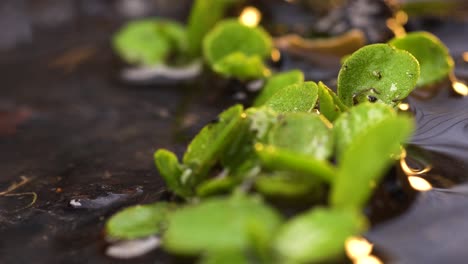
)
(318, 235)
(230, 36)
(225, 257)
(433, 56)
(351, 124)
(276, 83)
(377, 73)
(366, 159)
(303, 133)
(280, 159)
(329, 104)
(216, 186)
(149, 41)
(241, 66)
(171, 171)
(139, 221)
(203, 17)
(204, 150)
(219, 224)
(289, 185)
(294, 98)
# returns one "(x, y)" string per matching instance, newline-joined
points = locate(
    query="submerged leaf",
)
(219, 224)
(241, 66)
(433, 56)
(204, 150)
(149, 41)
(294, 98)
(139, 221)
(317, 235)
(377, 73)
(329, 104)
(276, 83)
(303, 133)
(366, 159)
(351, 124)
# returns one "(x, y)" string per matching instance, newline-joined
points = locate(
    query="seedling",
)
(377, 73)
(234, 49)
(300, 140)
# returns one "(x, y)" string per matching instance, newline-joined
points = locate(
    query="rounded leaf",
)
(138, 221)
(351, 124)
(300, 97)
(377, 73)
(317, 235)
(433, 56)
(149, 41)
(231, 36)
(303, 133)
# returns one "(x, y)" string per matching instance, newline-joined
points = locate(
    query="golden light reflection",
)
(250, 16)
(465, 56)
(460, 88)
(357, 247)
(419, 183)
(401, 17)
(396, 23)
(411, 171)
(403, 106)
(275, 55)
(368, 260)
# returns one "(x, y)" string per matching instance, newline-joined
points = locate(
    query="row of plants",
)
(300, 144)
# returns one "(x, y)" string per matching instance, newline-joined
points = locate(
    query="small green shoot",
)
(204, 150)
(294, 98)
(329, 104)
(234, 45)
(171, 171)
(241, 66)
(276, 83)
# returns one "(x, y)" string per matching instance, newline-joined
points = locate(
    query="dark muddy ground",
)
(76, 132)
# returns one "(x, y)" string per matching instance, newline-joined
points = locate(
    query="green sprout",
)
(433, 56)
(300, 141)
(150, 41)
(276, 83)
(232, 46)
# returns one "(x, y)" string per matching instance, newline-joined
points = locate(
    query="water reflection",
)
(419, 184)
(359, 250)
(250, 16)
